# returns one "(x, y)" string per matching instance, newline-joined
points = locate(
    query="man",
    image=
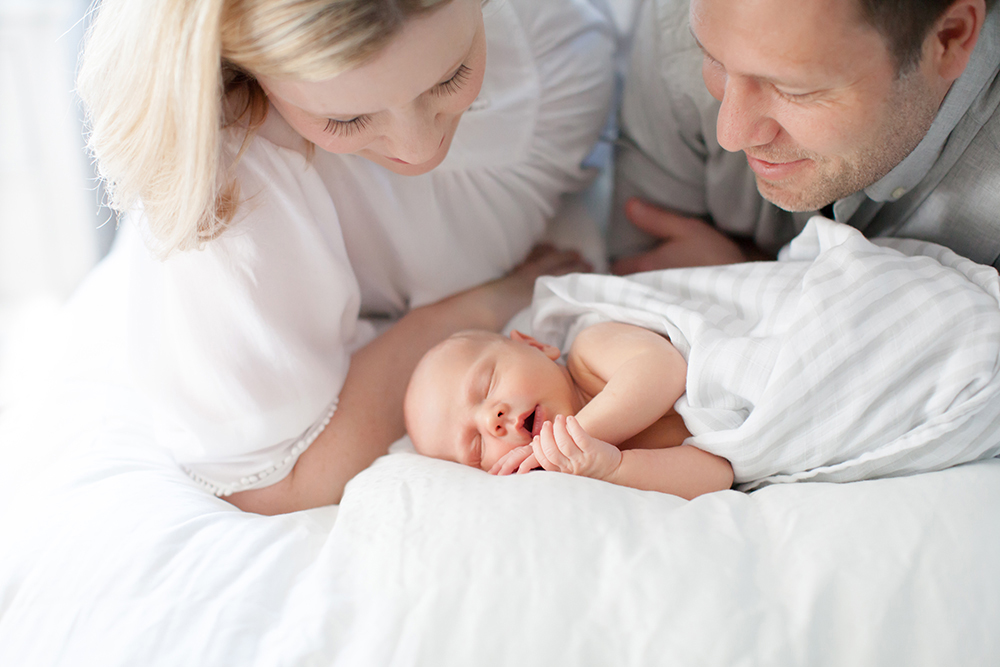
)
(743, 118)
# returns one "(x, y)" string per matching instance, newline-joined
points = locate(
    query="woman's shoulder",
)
(548, 23)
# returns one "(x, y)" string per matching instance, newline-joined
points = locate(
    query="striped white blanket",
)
(844, 360)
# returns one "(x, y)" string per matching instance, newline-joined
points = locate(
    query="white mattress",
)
(117, 558)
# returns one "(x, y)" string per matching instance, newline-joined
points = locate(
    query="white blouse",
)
(243, 347)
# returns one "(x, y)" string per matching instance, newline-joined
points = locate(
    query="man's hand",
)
(563, 446)
(686, 241)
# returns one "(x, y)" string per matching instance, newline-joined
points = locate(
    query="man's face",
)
(811, 94)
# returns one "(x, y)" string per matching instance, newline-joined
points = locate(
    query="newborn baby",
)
(507, 405)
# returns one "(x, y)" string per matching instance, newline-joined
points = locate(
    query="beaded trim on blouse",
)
(249, 481)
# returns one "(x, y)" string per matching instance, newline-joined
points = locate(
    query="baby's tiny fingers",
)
(551, 448)
(510, 461)
(528, 464)
(564, 440)
(539, 453)
(575, 431)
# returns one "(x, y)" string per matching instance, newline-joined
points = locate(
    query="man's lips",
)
(775, 171)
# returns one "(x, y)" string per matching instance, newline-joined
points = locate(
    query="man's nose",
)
(416, 135)
(744, 117)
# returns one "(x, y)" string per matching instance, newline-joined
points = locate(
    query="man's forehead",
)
(772, 38)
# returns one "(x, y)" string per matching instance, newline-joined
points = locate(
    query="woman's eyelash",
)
(454, 83)
(346, 128)
(349, 128)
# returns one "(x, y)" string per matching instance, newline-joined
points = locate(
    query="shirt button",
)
(898, 192)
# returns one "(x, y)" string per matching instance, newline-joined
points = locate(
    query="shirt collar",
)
(981, 70)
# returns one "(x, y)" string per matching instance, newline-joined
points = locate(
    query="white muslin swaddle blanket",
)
(847, 359)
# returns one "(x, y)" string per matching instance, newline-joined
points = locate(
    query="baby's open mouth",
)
(528, 422)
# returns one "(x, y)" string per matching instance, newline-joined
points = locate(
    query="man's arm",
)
(667, 163)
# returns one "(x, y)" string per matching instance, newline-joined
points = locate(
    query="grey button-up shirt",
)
(946, 191)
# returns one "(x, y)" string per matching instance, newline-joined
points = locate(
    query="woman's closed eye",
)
(453, 84)
(354, 126)
(347, 128)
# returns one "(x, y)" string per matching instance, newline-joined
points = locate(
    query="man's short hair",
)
(904, 25)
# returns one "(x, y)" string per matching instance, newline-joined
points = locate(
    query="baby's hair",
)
(472, 335)
(160, 79)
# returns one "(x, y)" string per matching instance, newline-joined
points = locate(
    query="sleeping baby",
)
(507, 405)
(847, 360)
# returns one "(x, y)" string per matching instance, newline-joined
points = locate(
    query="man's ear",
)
(550, 351)
(954, 37)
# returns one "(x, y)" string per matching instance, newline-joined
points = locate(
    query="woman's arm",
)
(369, 415)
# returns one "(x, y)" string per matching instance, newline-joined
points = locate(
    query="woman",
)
(368, 161)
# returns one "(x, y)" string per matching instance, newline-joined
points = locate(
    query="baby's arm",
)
(634, 374)
(685, 471)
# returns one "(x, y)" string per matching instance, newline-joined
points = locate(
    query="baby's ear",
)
(550, 351)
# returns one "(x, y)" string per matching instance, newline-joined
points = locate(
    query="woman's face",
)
(401, 109)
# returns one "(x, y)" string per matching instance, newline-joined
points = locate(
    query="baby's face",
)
(478, 395)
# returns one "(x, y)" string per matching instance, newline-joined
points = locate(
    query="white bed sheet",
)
(111, 556)
(117, 558)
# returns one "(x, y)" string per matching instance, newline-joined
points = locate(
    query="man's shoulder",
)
(668, 46)
(673, 19)
(672, 24)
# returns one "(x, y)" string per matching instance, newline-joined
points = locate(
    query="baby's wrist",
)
(614, 475)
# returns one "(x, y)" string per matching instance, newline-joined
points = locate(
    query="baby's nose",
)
(499, 419)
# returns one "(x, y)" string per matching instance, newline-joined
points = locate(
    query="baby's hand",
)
(565, 447)
(519, 459)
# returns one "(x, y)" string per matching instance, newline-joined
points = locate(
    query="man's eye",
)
(794, 97)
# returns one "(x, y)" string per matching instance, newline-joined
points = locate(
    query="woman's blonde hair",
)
(160, 79)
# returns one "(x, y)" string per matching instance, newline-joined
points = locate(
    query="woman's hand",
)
(564, 446)
(506, 296)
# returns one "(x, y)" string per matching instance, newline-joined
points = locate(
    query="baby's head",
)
(478, 395)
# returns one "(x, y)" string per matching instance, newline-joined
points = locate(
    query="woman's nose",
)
(416, 136)
(744, 121)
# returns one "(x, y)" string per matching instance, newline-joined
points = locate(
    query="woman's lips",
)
(397, 160)
(775, 171)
